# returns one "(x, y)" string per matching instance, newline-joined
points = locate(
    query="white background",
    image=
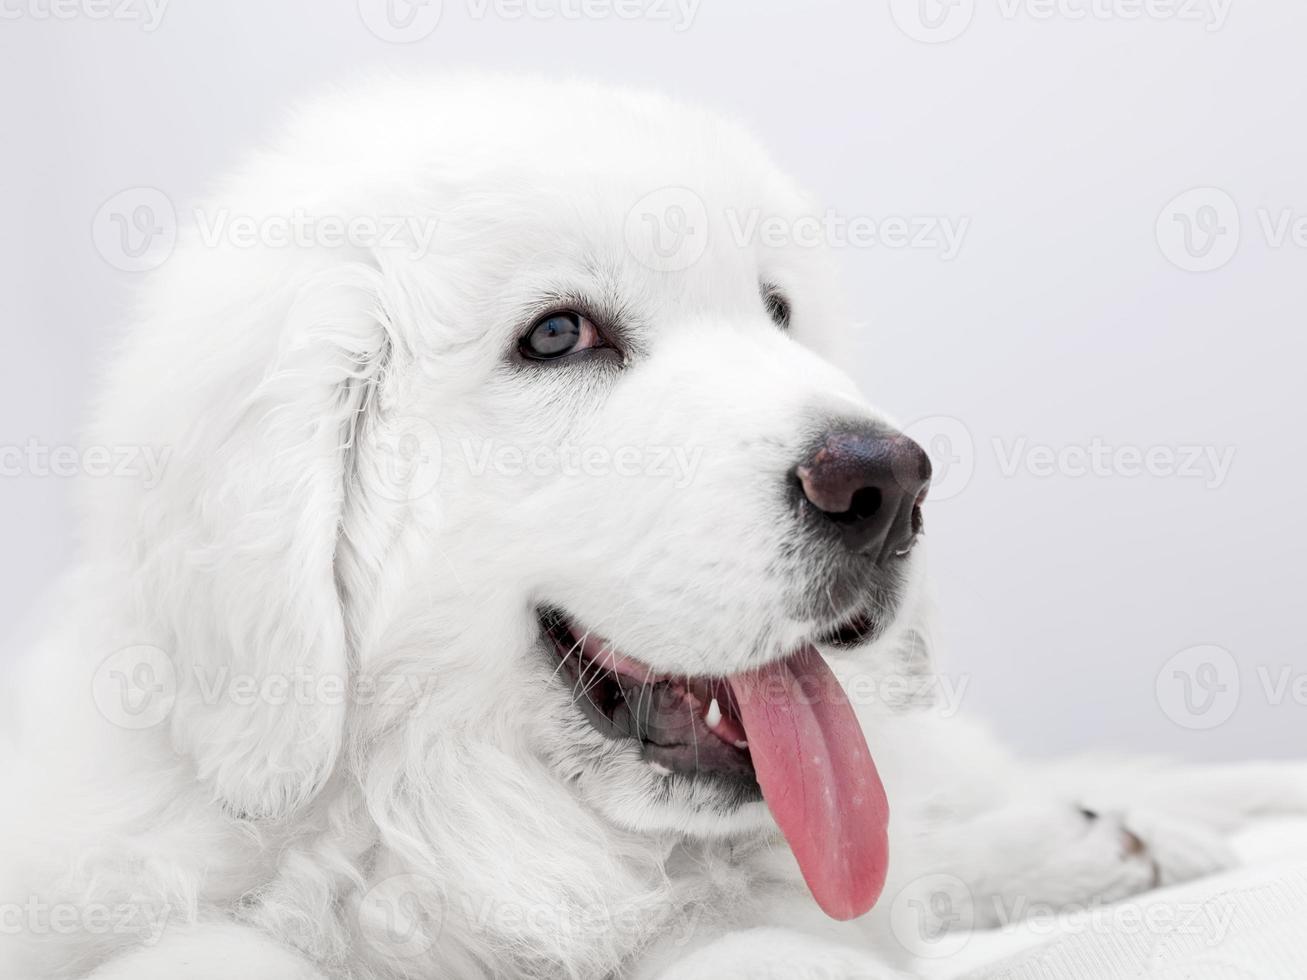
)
(1064, 319)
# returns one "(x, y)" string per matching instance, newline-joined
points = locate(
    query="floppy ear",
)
(238, 542)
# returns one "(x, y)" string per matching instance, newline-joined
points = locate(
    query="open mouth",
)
(853, 632)
(687, 725)
(786, 730)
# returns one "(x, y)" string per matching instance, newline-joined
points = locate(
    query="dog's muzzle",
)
(863, 486)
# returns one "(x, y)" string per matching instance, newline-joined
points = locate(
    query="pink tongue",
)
(817, 776)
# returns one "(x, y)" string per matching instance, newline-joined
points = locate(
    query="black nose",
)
(868, 481)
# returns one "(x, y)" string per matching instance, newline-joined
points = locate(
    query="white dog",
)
(485, 621)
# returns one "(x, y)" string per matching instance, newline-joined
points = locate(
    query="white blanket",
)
(1247, 924)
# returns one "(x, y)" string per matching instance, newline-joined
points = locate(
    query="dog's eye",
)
(778, 307)
(558, 335)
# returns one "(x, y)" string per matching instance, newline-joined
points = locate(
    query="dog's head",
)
(567, 468)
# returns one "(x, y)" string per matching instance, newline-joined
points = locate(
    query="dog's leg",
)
(1032, 857)
(1222, 798)
(996, 841)
(215, 951)
(980, 841)
(1182, 814)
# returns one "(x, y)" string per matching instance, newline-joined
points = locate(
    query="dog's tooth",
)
(714, 716)
(742, 744)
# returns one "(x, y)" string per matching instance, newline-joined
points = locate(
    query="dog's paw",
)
(1180, 850)
(1043, 858)
(263, 771)
(1106, 857)
(777, 954)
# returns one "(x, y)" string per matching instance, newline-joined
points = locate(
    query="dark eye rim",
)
(777, 304)
(603, 348)
(524, 342)
(617, 326)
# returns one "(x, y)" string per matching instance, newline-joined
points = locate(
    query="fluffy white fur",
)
(461, 820)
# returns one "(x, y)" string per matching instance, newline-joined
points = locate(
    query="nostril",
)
(862, 505)
(869, 482)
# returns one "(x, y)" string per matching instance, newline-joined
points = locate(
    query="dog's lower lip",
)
(855, 631)
(682, 724)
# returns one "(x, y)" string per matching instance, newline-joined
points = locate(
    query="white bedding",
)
(1246, 924)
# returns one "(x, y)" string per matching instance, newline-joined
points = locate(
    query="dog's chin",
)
(659, 753)
(632, 794)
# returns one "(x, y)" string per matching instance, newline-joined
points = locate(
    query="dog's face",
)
(610, 448)
(574, 457)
